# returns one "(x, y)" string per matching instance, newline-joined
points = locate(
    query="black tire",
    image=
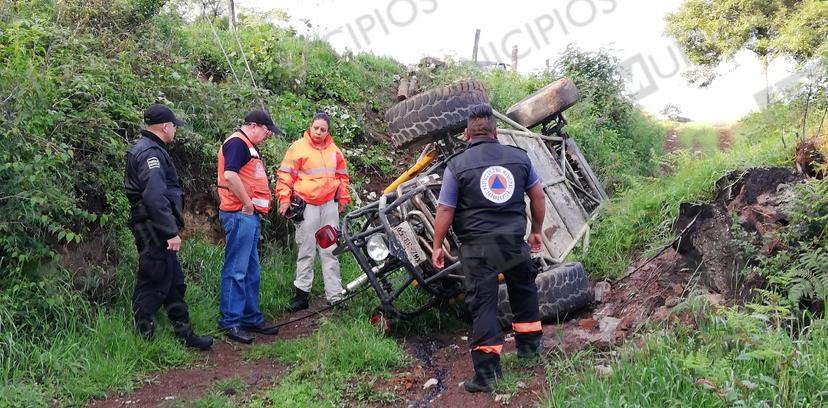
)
(419, 119)
(545, 103)
(561, 290)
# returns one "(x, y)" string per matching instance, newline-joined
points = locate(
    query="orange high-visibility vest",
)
(316, 173)
(253, 177)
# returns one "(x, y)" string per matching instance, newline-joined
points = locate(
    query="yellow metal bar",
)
(413, 171)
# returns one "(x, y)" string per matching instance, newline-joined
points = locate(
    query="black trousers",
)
(481, 263)
(159, 282)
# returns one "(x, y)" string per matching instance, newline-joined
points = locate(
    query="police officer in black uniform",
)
(155, 198)
(482, 198)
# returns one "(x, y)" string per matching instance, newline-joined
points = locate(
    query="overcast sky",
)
(408, 30)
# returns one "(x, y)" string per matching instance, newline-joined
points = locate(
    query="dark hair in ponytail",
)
(322, 115)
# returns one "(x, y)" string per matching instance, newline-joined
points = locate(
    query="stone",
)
(604, 371)
(430, 383)
(602, 291)
(588, 324)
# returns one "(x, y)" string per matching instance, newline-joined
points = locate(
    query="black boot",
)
(299, 301)
(486, 372)
(529, 346)
(184, 333)
(145, 329)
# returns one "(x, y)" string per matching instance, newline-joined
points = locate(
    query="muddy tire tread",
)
(561, 290)
(419, 119)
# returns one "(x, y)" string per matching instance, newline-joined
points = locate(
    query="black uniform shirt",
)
(152, 186)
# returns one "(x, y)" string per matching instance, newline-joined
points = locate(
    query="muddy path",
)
(225, 361)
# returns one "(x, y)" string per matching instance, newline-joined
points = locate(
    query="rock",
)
(672, 302)
(602, 291)
(588, 324)
(170, 398)
(520, 385)
(660, 314)
(604, 371)
(606, 336)
(714, 298)
(430, 383)
(608, 324)
(626, 322)
(464, 338)
(503, 398)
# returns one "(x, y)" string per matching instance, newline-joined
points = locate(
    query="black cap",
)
(159, 113)
(263, 118)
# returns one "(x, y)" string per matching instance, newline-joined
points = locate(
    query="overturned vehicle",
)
(391, 239)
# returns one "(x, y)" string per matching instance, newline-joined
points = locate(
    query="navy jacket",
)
(492, 180)
(152, 187)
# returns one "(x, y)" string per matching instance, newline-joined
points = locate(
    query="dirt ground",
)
(224, 361)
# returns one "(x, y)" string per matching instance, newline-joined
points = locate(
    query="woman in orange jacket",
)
(315, 171)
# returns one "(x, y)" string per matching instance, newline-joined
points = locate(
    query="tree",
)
(713, 31)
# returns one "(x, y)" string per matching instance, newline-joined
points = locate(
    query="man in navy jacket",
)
(155, 198)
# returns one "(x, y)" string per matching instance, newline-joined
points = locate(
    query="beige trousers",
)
(317, 216)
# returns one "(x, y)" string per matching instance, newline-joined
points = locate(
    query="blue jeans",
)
(240, 276)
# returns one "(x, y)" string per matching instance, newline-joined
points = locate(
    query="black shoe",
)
(263, 328)
(195, 341)
(476, 385)
(237, 334)
(299, 301)
(145, 329)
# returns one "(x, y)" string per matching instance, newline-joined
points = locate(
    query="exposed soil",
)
(671, 141)
(809, 158)
(725, 139)
(224, 361)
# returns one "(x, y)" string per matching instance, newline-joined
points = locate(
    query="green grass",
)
(328, 367)
(701, 138)
(640, 218)
(734, 359)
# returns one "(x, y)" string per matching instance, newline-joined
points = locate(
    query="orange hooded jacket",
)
(316, 173)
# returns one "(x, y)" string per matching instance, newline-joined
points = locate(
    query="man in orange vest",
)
(244, 195)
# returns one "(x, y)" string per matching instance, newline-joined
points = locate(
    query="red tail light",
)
(326, 236)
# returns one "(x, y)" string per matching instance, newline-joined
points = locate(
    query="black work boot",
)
(486, 372)
(530, 349)
(299, 301)
(184, 333)
(145, 329)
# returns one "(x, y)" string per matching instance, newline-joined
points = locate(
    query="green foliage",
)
(327, 361)
(713, 31)
(733, 359)
(700, 138)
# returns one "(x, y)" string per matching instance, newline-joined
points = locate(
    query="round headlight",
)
(377, 248)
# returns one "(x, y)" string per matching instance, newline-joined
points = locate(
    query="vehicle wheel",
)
(419, 119)
(545, 103)
(561, 289)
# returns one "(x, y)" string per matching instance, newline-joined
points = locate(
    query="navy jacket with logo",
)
(492, 179)
(152, 187)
